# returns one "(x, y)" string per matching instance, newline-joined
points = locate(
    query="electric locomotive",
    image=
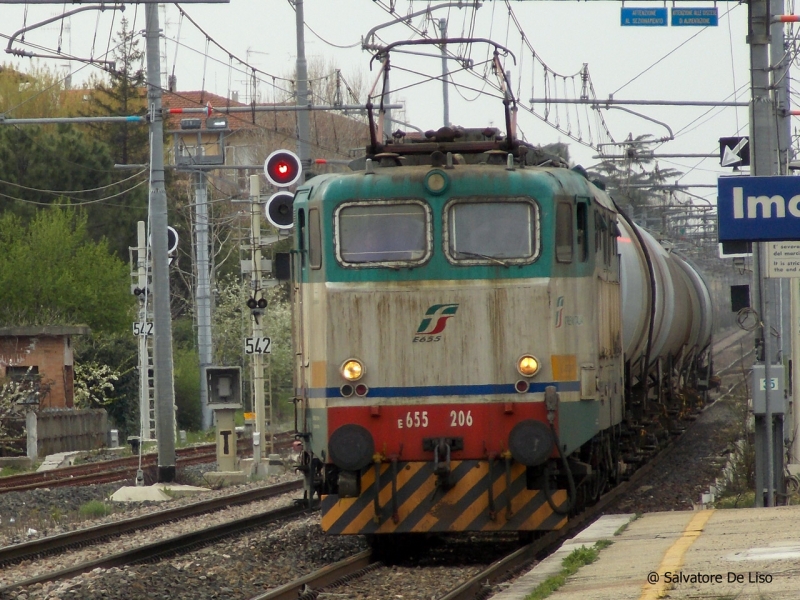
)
(483, 343)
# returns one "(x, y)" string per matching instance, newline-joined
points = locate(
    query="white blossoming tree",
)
(17, 396)
(94, 385)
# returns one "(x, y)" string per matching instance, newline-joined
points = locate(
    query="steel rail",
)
(477, 586)
(24, 479)
(501, 569)
(58, 543)
(116, 469)
(174, 545)
(326, 577)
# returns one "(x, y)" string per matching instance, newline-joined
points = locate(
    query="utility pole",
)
(780, 64)
(162, 319)
(203, 297)
(445, 98)
(761, 164)
(303, 119)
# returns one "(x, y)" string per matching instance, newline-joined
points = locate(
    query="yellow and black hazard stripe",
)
(421, 505)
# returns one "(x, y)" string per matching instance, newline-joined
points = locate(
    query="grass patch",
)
(570, 565)
(624, 526)
(95, 509)
(744, 499)
(9, 470)
(199, 437)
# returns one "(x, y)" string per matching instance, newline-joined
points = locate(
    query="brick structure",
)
(46, 351)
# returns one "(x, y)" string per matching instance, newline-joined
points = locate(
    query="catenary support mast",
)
(162, 319)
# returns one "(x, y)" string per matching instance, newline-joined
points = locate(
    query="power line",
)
(61, 192)
(78, 203)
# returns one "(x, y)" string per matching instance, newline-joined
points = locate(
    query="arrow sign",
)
(734, 151)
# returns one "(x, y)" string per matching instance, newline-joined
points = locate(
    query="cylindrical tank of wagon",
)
(676, 292)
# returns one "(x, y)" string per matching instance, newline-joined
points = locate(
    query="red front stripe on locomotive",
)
(401, 430)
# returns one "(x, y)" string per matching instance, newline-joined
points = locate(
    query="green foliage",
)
(60, 159)
(9, 470)
(576, 559)
(743, 499)
(119, 352)
(95, 509)
(51, 272)
(124, 95)
(46, 164)
(187, 388)
(37, 93)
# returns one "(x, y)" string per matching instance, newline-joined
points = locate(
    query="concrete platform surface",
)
(746, 554)
(602, 529)
(158, 492)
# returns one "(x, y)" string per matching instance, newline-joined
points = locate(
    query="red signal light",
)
(283, 168)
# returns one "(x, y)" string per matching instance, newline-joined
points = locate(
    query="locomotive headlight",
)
(528, 365)
(352, 369)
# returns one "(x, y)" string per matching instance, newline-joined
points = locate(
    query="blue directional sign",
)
(695, 17)
(758, 209)
(644, 17)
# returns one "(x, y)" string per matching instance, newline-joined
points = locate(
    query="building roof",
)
(44, 330)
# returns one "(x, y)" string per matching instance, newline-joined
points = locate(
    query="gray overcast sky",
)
(707, 64)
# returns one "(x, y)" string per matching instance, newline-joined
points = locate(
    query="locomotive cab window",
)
(503, 231)
(564, 243)
(383, 233)
(314, 239)
(583, 229)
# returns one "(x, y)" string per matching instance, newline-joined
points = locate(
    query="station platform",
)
(746, 554)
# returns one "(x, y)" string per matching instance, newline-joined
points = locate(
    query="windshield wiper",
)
(483, 256)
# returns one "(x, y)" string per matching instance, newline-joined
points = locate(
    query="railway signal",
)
(283, 168)
(278, 210)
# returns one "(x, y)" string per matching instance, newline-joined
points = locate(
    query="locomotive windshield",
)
(383, 232)
(492, 232)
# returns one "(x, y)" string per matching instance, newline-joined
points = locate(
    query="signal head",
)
(262, 303)
(279, 210)
(283, 168)
(251, 303)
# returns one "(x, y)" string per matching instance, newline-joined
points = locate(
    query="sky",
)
(630, 63)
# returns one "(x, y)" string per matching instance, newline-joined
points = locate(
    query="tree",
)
(124, 95)
(95, 385)
(634, 182)
(37, 93)
(52, 272)
(118, 353)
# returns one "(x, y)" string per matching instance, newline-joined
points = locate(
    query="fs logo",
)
(559, 311)
(434, 322)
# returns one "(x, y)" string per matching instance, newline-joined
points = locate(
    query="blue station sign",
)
(758, 209)
(695, 17)
(644, 17)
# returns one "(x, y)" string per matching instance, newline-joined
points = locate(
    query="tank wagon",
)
(484, 341)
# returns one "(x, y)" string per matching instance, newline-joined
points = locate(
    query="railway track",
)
(338, 575)
(334, 579)
(121, 468)
(155, 550)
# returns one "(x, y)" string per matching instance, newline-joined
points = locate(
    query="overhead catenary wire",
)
(62, 192)
(77, 203)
